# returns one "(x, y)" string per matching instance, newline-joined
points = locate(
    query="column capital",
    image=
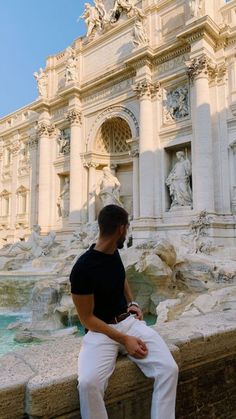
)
(45, 129)
(74, 116)
(15, 144)
(201, 66)
(88, 164)
(146, 89)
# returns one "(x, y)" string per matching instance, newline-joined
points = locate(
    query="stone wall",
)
(40, 381)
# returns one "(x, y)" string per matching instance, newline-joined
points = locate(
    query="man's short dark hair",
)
(111, 217)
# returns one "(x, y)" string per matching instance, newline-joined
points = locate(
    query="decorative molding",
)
(201, 66)
(74, 116)
(146, 89)
(45, 129)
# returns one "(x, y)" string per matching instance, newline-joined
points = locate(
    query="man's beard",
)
(120, 242)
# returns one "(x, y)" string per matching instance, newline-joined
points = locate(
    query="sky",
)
(30, 31)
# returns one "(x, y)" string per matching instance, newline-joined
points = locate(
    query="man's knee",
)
(90, 384)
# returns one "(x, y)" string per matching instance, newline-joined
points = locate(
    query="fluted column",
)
(15, 147)
(44, 132)
(33, 147)
(199, 71)
(76, 166)
(91, 166)
(145, 91)
(134, 153)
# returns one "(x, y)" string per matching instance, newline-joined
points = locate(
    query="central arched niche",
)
(112, 135)
(111, 142)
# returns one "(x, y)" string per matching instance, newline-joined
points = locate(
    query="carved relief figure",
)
(71, 66)
(42, 81)
(178, 182)
(63, 140)
(63, 202)
(195, 7)
(177, 104)
(139, 34)
(101, 11)
(109, 188)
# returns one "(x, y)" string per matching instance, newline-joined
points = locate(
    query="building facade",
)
(150, 91)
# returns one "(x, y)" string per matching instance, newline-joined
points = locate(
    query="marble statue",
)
(139, 34)
(178, 182)
(47, 242)
(63, 202)
(42, 81)
(71, 74)
(92, 19)
(177, 104)
(32, 245)
(109, 188)
(101, 11)
(195, 7)
(63, 140)
(127, 7)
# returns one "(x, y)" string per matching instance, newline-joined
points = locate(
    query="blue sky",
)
(31, 30)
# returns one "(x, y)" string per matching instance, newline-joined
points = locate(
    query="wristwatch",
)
(133, 303)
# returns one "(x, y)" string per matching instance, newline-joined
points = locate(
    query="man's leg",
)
(160, 365)
(97, 360)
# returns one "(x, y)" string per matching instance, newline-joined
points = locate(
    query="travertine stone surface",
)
(42, 379)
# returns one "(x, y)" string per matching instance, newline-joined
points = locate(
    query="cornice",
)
(203, 27)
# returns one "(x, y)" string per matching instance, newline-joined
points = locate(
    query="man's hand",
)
(135, 347)
(137, 311)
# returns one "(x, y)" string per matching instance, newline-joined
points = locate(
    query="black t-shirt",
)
(102, 275)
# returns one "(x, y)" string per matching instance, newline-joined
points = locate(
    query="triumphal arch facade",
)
(141, 110)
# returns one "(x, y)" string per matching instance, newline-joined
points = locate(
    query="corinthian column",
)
(199, 71)
(145, 91)
(91, 166)
(44, 131)
(76, 166)
(15, 147)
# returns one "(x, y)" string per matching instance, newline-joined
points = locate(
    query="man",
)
(104, 303)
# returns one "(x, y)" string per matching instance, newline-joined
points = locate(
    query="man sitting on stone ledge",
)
(114, 324)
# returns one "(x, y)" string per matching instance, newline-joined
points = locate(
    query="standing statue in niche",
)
(63, 202)
(178, 182)
(139, 34)
(42, 81)
(71, 66)
(109, 188)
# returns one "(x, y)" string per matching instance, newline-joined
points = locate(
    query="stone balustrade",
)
(40, 381)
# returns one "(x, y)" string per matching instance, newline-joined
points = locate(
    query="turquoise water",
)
(7, 343)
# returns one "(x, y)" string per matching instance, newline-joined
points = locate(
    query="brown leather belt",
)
(119, 318)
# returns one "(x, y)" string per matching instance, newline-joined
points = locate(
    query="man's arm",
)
(84, 305)
(129, 299)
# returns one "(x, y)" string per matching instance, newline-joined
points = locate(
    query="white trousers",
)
(97, 362)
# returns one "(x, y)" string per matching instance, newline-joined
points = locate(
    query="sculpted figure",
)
(139, 34)
(177, 104)
(64, 142)
(127, 7)
(109, 188)
(63, 202)
(195, 7)
(178, 182)
(42, 81)
(71, 66)
(101, 11)
(47, 242)
(32, 245)
(92, 19)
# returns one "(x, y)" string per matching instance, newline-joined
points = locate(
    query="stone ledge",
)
(40, 381)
